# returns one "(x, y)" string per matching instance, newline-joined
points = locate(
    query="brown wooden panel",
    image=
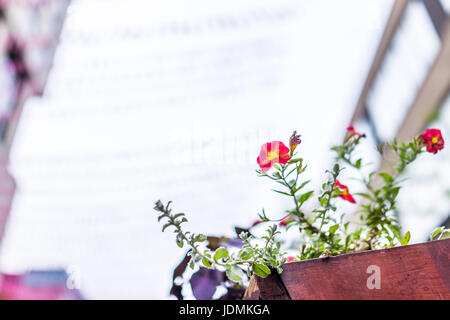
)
(270, 288)
(410, 272)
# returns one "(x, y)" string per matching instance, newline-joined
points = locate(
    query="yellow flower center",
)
(272, 155)
(434, 140)
(344, 192)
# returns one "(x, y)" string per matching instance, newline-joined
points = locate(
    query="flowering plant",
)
(323, 231)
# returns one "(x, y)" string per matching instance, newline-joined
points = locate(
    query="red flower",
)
(272, 152)
(432, 138)
(345, 194)
(290, 259)
(353, 132)
(284, 222)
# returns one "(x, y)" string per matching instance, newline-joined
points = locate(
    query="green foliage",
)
(440, 233)
(252, 256)
(322, 232)
(405, 239)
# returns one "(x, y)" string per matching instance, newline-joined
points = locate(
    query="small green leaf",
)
(200, 238)
(333, 228)
(445, 234)
(436, 232)
(336, 168)
(206, 263)
(261, 270)
(294, 160)
(396, 231)
(235, 273)
(246, 253)
(305, 196)
(180, 240)
(303, 184)
(386, 177)
(282, 192)
(406, 239)
(276, 166)
(220, 253)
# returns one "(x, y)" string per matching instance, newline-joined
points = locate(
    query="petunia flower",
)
(432, 138)
(272, 152)
(345, 193)
(290, 259)
(352, 132)
(284, 222)
(294, 141)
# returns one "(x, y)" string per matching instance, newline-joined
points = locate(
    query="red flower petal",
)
(290, 259)
(284, 222)
(272, 152)
(432, 138)
(353, 132)
(346, 194)
(264, 163)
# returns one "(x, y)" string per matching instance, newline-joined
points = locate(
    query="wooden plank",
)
(437, 15)
(393, 22)
(434, 89)
(419, 271)
(270, 288)
(414, 272)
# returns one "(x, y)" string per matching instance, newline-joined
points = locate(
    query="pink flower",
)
(432, 138)
(345, 194)
(272, 152)
(290, 259)
(284, 222)
(352, 132)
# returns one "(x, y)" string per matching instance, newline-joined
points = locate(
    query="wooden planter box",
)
(420, 271)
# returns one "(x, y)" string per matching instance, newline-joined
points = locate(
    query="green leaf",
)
(445, 234)
(276, 166)
(358, 163)
(303, 184)
(261, 270)
(285, 193)
(396, 231)
(206, 263)
(180, 240)
(246, 253)
(294, 160)
(333, 228)
(178, 215)
(235, 273)
(386, 177)
(436, 232)
(220, 253)
(305, 196)
(166, 226)
(365, 195)
(200, 238)
(336, 168)
(406, 239)
(277, 175)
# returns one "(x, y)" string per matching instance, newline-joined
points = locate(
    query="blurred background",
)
(108, 105)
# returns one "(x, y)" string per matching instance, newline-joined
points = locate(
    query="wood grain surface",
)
(420, 271)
